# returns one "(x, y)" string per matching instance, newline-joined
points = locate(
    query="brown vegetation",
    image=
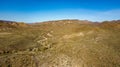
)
(63, 43)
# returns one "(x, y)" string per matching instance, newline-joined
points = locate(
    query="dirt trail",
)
(73, 35)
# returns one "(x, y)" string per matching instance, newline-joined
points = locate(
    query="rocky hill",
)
(62, 43)
(9, 25)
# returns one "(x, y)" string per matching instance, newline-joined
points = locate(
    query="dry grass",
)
(67, 43)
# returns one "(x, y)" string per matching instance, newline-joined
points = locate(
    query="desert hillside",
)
(62, 43)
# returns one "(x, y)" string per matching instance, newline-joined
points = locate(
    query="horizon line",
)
(57, 20)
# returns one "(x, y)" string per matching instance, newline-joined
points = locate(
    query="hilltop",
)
(60, 43)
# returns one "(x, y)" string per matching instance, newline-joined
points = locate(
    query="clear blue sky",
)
(45, 10)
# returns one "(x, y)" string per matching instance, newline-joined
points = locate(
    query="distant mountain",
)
(7, 25)
(60, 43)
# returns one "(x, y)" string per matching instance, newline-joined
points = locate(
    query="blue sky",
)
(45, 10)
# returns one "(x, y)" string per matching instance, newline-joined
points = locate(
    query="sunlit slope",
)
(63, 43)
